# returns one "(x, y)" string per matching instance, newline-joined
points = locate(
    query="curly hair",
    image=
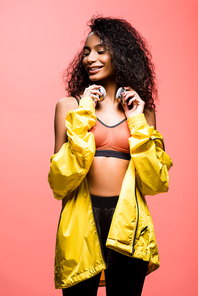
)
(130, 58)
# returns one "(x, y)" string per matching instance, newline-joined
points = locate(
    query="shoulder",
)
(150, 116)
(62, 108)
(66, 104)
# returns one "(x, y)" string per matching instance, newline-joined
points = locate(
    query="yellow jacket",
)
(78, 253)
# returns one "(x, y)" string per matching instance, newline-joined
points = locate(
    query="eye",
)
(101, 51)
(86, 54)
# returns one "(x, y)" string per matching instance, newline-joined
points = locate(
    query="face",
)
(97, 60)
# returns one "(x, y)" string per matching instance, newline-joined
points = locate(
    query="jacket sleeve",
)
(148, 155)
(70, 165)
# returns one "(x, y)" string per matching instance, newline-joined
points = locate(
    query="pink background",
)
(38, 39)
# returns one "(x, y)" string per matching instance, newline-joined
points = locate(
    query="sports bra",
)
(111, 141)
(111, 138)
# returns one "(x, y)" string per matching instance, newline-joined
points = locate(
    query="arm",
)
(62, 108)
(146, 146)
(150, 117)
(71, 163)
(150, 160)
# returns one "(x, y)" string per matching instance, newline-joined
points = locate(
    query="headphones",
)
(119, 93)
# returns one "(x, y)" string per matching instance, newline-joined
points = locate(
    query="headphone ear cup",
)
(119, 93)
(103, 91)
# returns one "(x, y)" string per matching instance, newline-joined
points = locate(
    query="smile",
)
(94, 70)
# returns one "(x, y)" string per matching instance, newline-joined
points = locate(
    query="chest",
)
(111, 137)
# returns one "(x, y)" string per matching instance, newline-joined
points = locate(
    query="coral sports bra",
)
(111, 141)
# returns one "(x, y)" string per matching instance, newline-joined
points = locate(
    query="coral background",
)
(38, 39)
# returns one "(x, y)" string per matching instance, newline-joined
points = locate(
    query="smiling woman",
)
(103, 157)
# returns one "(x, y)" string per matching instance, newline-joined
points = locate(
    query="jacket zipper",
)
(133, 250)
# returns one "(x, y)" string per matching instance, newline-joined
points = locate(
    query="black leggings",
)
(124, 275)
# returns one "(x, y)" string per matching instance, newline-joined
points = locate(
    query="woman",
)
(108, 156)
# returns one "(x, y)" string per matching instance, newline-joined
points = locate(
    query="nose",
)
(92, 57)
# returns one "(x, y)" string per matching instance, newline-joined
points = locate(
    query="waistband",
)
(112, 153)
(103, 202)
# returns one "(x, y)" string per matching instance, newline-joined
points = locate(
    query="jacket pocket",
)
(143, 230)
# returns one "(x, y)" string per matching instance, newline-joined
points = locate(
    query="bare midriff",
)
(106, 175)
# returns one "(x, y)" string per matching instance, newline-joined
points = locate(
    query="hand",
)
(93, 92)
(133, 98)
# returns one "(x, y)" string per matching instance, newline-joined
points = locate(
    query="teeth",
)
(93, 69)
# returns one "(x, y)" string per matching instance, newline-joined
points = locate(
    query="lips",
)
(94, 70)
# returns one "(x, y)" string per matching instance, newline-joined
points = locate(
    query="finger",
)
(94, 91)
(128, 88)
(95, 97)
(90, 92)
(94, 86)
(132, 103)
(125, 106)
(128, 95)
(134, 95)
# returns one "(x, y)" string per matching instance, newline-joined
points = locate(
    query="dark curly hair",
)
(130, 59)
